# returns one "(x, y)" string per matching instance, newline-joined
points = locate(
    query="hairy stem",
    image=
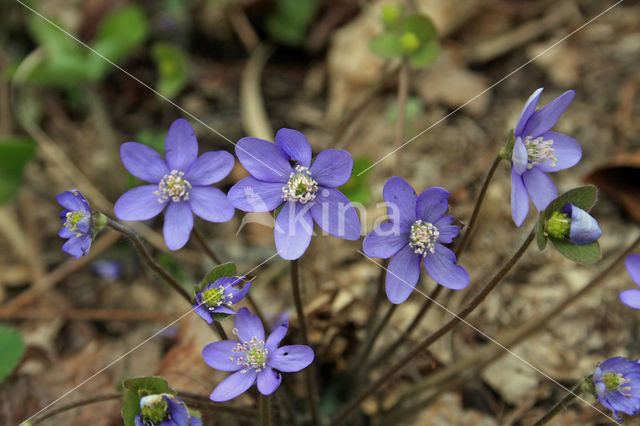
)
(265, 411)
(560, 405)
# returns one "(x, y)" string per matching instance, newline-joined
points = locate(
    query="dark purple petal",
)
(248, 326)
(520, 157)
(584, 228)
(217, 355)
(527, 111)
(268, 380)
(401, 201)
(234, 385)
(143, 162)
(334, 213)
(139, 204)
(632, 263)
(519, 199)
(441, 266)
(180, 146)
(264, 160)
(178, 414)
(402, 275)
(253, 195)
(295, 145)
(210, 167)
(332, 167)
(73, 201)
(540, 188)
(567, 151)
(385, 240)
(203, 311)
(543, 120)
(432, 204)
(210, 204)
(178, 222)
(631, 298)
(446, 229)
(77, 246)
(294, 227)
(291, 358)
(276, 336)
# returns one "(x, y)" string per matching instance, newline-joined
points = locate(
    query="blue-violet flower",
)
(631, 297)
(575, 224)
(76, 223)
(617, 383)
(164, 410)
(217, 297)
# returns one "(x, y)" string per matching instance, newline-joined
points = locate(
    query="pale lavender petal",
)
(139, 204)
(234, 385)
(178, 223)
(631, 298)
(253, 195)
(180, 146)
(248, 326)
(584, 227)
(294, 227)
(203, 312)
(632, 263)
(210, 204)
(519, 199)
(385, 240)
(567, 151)
(432, 204)
(65, 233)
(84, 225)
(210, 167)
(402, 275)
(217, 355)
(334, 213)
(447, 230)
(332, 167)
(291, 358)
(276, 336)
(74, 202)
(540, 188)
(520, 157)
(268, 380)
(527, 111)
(542, 121)
(143, 162)
(264, 160)
(401, 201)
(295, 145)
(441, 266)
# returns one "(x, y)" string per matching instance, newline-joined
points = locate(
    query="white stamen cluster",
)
(173, 187)
(423, 237)
(301, 186)
(72, 220)
(215, 297)
(249, 355)
(539, 151)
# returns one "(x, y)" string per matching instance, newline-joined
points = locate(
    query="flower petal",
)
(402, 275)
(268, 380)
(178, 222)
(567, 151)
(203, 312)
(291, 358)
(180, 145)
(139, 204)
(432, 204)
(519, 199)
(584, 227)
(441, 266)
(527, 111)
(295, 145)
(238, 291)
(294, 227)
(210, 167)
(631, 298)
(385, 240)
(253, 195)
(234, 385)
(248, 326)
(446, 229)
(178, 412)
(263, 160)
(520, 157)
(540, 188)
(401, 201)
(217, 355)
(334, 213)
(542, 121)
(332, 167)
(276, 336)
(210, 204)
(65, 233)
(632, 262)
(73, 201)
(143, 162)
(77, 246)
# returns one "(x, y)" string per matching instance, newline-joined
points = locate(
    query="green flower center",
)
(410, 42)
(72, 220)
(214, 297)
(154, 409)
(539, 151)
(423, 237)
(250, 355)
(558, 225)
(173, 187)
(301, 186)
(613, 382)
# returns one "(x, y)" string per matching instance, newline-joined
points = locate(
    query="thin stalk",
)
(215, 325)
(76, 404)
(347, 411)
(203, 244)
(560, 405)
(265, 411)
(363, 353)
(403, 90)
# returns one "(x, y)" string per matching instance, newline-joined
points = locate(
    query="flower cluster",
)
(164, 410)
(617, 385)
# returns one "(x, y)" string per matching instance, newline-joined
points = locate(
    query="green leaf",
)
(137, 388)
(172, 67)
(15, 153)
(288, 23)
(357, 188)
(587, 253)
(583, 197)
(425, 55)
(507, 151)
(387, 45)
(541, 238)
(422, 27)
(12, 347)
(225, 270)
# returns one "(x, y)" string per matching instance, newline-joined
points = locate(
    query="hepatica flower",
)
(282, 173)
(574, 224)
(164, 410)
(631, 297)
(180, 184)
(417, 230)
(252, 359)
(217, 297)
(617, 383)
(538, 151)
(76, 223)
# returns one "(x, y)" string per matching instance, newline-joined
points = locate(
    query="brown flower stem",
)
(76, 404)
(265, 410)
(203, 244)
(365, 350)
(560, 405)
(377, 385)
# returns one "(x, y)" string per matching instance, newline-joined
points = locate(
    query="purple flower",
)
(76, 223)
(181, 184)
(631, 297)
(538, 151)
(416, 232)
(576, 224)
(617, 383)
(252, 358)
(217, 297)
(284, 174)
(164, 410)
